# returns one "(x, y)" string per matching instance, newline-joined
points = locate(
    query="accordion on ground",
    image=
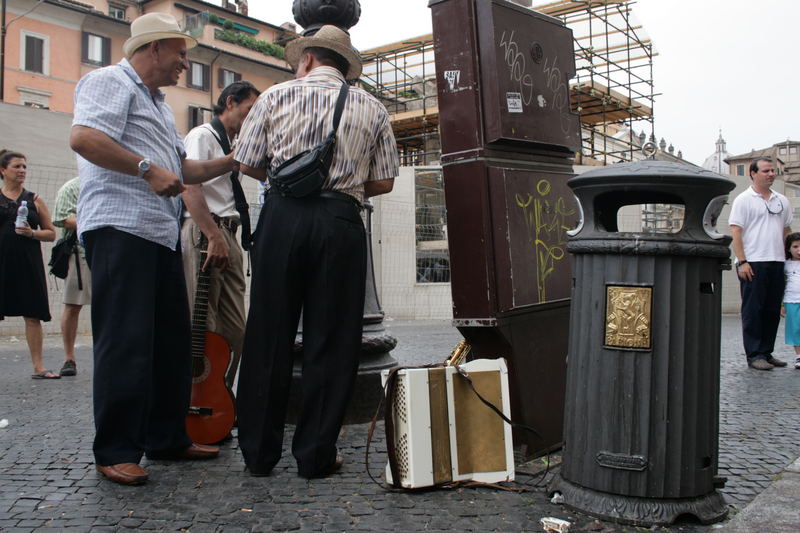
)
(442, 432)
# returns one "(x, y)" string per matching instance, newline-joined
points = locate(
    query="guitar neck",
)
(200, 310)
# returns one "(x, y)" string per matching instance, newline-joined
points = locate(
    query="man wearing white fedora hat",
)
(309, 253)
(132, 165)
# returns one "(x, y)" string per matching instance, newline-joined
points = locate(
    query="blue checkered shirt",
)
(115, 101)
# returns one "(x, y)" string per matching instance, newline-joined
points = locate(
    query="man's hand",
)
(163, 182)
(745, 272)
(217, 252)
(783, 311)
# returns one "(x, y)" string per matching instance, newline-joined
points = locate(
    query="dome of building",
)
(716, 161)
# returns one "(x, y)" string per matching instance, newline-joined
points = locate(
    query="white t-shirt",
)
(762, 222)
(791, 294)
(201, 143)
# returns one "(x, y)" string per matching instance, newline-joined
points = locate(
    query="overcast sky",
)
(729, 64)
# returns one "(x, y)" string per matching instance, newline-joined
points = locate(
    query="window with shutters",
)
(198, 76)
(95, 49)
(199, 115)
(34, 51)
(226, 77)
(116, 12)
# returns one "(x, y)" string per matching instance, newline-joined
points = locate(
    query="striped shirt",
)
(115, 101)
(297, 115)
(66, 205)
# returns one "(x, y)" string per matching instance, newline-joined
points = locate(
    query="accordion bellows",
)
(443, 433)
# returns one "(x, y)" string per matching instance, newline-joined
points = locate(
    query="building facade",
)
(49, 46)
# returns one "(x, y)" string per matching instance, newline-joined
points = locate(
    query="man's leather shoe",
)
(325, 472)
(124, 473)
(775, 362)
(193, 452)
(761, 364)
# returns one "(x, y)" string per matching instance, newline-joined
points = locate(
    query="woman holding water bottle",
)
(23, 286)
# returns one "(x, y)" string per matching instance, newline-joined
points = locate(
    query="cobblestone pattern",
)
(759, 423)
(48, 481)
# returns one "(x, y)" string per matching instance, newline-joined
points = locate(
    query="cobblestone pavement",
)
(48, 481)
(759, 422)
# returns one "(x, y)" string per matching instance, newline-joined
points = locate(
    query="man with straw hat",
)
(309, 253)
(132, 166)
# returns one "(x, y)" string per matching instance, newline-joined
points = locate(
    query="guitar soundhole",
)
(201, 369)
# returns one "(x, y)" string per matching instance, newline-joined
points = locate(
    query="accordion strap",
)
(388, 393)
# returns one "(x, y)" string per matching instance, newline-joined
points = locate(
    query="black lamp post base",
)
(368, 391)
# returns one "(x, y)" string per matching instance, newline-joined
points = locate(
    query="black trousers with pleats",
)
(309, 255)
(142, 346)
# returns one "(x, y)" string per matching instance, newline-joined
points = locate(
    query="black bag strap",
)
(72, 242)
(337, 113)
(78, 268)
(330, 140)
(238, 193)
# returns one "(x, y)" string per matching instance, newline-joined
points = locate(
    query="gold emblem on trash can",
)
(628, 313)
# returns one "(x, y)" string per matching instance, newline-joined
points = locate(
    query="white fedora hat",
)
(154, 27)
(329, 37)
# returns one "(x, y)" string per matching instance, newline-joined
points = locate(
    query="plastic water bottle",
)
(22, 215)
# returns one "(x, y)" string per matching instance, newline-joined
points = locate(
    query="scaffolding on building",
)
(403, 76)
(612, 91)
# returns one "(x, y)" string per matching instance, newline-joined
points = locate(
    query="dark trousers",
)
(142, 347)
(310, 255)
(761, 308)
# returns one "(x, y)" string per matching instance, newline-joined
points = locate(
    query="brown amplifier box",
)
(514, 90)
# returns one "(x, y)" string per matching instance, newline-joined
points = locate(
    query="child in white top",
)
(791, 295)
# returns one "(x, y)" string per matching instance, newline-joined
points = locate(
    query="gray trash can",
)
(641, 421)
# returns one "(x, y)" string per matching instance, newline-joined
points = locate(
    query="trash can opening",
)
(639, 212)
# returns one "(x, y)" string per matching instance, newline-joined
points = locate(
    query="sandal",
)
(69, 368)
(44, 375)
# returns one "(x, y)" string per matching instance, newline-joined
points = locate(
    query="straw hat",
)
(154, 27)
(329, 37)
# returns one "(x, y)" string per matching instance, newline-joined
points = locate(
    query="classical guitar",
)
(212, 409)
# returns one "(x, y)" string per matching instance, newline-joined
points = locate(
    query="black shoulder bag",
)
(60, 255)
(304, 174)
(238, 193)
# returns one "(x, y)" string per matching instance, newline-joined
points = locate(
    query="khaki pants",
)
(225, 294)
(72, 294)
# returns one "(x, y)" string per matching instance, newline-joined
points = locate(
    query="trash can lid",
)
(650, 172)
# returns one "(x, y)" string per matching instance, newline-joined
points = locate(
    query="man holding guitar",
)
(212, 263)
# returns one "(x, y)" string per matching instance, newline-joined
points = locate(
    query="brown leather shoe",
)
(775, 362)
(124, 473)
(193, 452)
(761, 364)
(325, 472)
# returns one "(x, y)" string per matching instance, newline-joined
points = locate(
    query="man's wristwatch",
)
(740, 262)
(144, 166)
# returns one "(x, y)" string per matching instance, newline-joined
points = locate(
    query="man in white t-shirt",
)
(211, 209)
(760, 219)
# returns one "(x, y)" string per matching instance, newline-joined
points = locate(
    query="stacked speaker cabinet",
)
(508, 141)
